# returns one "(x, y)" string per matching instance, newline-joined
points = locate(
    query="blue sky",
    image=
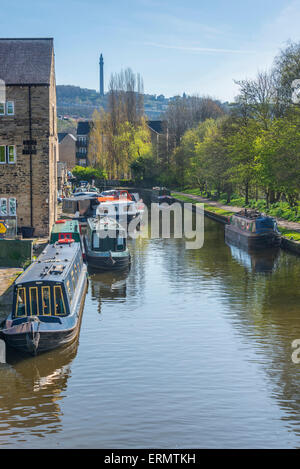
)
(192, 46)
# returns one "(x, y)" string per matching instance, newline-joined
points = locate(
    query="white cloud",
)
(199, 49)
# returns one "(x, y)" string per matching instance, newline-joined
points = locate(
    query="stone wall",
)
(67, 151)
(15, 178)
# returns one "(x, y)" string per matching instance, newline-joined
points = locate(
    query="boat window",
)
(69, 289)
(34, 301)
(96, 241)
(120, 244)
(46, 301)
(21, 302)
(60, 309)
(73, 280)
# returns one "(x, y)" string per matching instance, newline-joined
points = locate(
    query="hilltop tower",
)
(101, 64)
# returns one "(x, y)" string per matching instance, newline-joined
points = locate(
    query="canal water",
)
(190, 349)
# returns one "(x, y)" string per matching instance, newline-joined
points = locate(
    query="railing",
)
(81, 144)
(81, 155)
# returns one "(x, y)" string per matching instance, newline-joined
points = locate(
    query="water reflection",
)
(263, 261)
(108, 285)
(188, 344)
(30, 391)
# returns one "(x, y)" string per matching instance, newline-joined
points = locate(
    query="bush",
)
(88, 173)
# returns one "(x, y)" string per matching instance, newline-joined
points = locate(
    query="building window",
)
(7, 108)
(8, 154)
(13, 206)
(8, 206)
(2, 154)
(10, 108)
(3, 207)
(11, 154)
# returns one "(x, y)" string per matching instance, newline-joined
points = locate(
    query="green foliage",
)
(88, 173)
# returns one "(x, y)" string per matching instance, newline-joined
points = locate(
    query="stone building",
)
(28, 134)
(83, 132)
(67, 150)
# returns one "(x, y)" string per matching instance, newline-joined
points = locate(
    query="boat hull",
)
(22, 336)
(106, 263)
(251, 240)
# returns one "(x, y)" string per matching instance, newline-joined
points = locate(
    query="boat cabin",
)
(65, 230)
(47, 288)
(105, 234)
(253, 222)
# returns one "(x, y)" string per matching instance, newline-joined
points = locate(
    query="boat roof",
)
(85, 193)
(63, 226)
(105, 223)
(53, 264)
(117, 202)
(251, 215)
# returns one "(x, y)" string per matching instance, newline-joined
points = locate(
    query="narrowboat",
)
(122, 210)
(105, 244)
(161, 195)
(252, 230)
(48, 300)
(119, 204)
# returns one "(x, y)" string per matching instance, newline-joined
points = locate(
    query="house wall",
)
(67, 152)
(15, 177)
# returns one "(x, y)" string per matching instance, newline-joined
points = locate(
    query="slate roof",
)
(62, 135)
(83, 127)
(157, 126)
(26, 61)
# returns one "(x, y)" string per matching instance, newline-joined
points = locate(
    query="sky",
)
(192, 46)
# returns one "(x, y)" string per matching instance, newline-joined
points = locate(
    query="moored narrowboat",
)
(105, 244)
(252, 230)
(48, 300)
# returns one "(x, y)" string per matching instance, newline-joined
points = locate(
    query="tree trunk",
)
(247, 193)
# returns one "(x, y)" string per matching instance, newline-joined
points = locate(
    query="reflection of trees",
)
(264, 307)
(30, 390)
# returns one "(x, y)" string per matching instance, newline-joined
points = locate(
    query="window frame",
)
(37, 301)
(7, 107)
(5, 159)
(17, 303)
(3, 214)
(9, 210)
(14, 154)
(46, 287)
(62, 297)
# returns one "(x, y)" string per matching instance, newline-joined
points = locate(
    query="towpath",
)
(289, 225)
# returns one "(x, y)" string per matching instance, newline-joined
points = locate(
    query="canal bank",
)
(221, 214)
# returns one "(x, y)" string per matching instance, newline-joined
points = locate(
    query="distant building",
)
(62, 176)
(83, 132)
(28, 134)
(159, 137)
(67, 150)
(101, 71)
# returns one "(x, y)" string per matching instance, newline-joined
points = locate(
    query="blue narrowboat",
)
(105, 244)
(252, 230)
(48, 300)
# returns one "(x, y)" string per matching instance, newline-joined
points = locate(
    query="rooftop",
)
(62, 135)
(26, 60)
(83, 127)
(54, 257)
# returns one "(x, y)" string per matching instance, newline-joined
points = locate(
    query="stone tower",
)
(101, 63)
